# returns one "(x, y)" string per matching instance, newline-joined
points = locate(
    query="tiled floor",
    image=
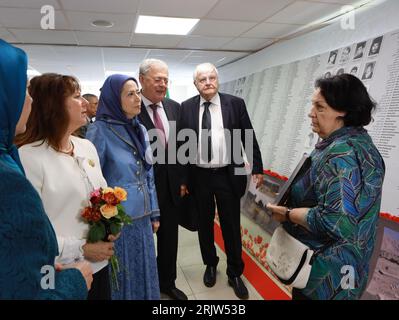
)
(191, 269)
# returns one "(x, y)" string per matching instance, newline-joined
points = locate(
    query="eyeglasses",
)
(158, 80)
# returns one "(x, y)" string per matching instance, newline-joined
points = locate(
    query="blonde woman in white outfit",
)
(64, 170)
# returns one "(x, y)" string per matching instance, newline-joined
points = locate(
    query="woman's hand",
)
(113, 238)
(98, 251)
(297, 215)
(83, 266)
(278, 212)
(155, 226)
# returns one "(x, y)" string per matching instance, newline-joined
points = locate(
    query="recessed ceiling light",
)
(164, 25)
(102, 24)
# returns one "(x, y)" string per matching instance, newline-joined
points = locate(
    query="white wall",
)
(371, 20)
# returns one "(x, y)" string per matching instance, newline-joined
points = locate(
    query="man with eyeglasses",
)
(156, 112)
(218, 172)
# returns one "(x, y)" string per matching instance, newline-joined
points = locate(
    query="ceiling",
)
(228, 30)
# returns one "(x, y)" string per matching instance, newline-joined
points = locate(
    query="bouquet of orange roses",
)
(106, 216)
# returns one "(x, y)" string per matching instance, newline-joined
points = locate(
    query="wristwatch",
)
(287, 214)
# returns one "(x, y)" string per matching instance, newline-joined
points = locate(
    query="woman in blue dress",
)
(28, 245)
(125, 157)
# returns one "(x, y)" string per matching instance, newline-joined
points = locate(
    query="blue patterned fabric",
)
(345, 184)
(138, 278)
(27, 239)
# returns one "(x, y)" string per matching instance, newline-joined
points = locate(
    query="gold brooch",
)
(91, 163)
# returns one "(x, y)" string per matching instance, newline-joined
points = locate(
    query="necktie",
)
(206, 139)
(158, 124)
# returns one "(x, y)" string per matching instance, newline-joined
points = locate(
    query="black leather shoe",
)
(210, 276)
(175, 294)
(239, 287)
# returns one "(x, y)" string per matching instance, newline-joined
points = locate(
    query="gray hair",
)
(207, 66)
(146, 65)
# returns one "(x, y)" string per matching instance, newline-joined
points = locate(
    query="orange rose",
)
(108, 211)
(120, 194)
(107, 190)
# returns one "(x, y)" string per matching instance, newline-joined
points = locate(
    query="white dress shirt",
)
(64, 183)
(219, 149)
(161, 112)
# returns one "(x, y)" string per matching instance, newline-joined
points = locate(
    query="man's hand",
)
(155, 226)
(183, 190)
(258, 179)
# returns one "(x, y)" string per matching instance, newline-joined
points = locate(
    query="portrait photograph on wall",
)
(375, 46)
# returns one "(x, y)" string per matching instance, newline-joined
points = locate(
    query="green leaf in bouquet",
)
(96, 232)
(126, 219)
(115, 228)
(120, 208)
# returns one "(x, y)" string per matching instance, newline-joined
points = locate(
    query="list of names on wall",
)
(279, 98)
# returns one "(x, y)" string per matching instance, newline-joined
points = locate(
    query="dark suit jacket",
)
(168, 177)
(235, 116)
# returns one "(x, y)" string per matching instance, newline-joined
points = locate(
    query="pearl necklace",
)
(70, 149)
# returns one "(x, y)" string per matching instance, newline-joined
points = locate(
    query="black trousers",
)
(167, 242)
(101, 286)
(211, 185)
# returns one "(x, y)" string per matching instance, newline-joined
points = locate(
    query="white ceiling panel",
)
(302, 12)
(170, 53)
(44, 36)
(103, 39)
(204, 43)
(121, 66)
(228, 30)
(124, 55)
(82, 21)
(156, 41)
(336, 1)
(177, 8)
(33, 4)
(247, 44)
(62, 53)
(197, 60)
(51, 68)
(105, 6)
(271, 30)
(219, 28)
(7, 36)
(248, 10)
(39, 52)
(28, 18)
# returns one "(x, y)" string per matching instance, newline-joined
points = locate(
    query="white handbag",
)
(289, 259)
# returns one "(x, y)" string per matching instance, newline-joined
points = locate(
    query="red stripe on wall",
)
(254, 274)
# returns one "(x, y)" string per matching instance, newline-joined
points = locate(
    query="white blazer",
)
(64, 183)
